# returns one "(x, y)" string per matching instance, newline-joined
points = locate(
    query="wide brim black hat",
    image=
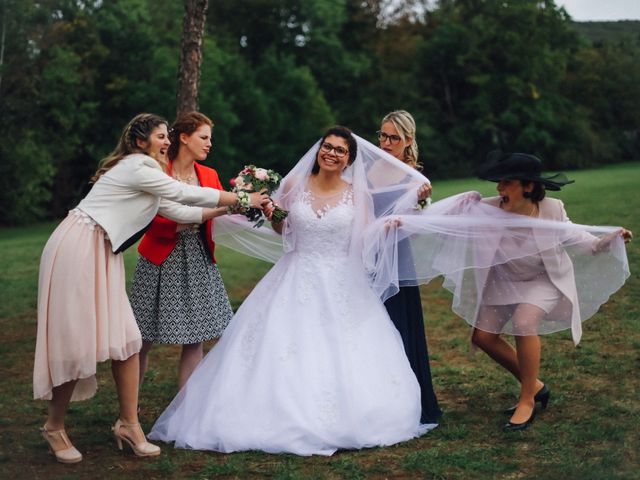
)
(519, 166)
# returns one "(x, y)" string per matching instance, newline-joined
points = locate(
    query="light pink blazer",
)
(557, 263)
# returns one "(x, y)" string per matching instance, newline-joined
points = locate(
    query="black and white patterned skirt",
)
(183, 300)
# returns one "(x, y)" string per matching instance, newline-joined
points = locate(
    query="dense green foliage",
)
(608, 31)
(476, 75)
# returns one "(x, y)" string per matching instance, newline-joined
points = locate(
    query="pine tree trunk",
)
(2, 37)
(191, 55)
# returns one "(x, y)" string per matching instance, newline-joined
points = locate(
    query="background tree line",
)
(476, 74)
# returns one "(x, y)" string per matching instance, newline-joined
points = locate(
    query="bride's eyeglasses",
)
(383, 137)
(326, 147)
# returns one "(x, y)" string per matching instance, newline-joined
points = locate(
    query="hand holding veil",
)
(479, 248)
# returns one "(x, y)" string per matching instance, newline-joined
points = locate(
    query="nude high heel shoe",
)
(64, 455)
(123, 431)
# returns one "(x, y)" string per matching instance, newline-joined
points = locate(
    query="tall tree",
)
(191, 54)
(2, 38)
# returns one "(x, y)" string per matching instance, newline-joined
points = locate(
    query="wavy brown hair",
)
(139, 128)
(186, 123)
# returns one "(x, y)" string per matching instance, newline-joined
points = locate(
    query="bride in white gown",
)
(311, 362)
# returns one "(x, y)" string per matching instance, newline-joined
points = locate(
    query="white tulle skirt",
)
(310, 364)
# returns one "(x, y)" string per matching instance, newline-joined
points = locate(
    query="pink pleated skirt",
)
(84, 315)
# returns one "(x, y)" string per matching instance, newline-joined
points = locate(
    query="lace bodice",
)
(323, 225)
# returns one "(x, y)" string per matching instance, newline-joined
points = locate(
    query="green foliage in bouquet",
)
(254, 179)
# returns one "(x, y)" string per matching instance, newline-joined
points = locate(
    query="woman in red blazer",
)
(177, 295)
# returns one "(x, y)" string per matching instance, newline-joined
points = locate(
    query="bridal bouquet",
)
(254, 179)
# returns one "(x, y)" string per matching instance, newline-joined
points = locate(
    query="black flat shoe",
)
(515, 427)
(541, 397)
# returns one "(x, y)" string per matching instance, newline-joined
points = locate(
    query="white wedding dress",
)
(309, 364)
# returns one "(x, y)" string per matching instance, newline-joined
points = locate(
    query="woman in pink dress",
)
(84, 315)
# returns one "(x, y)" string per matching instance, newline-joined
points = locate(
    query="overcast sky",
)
(584, 10)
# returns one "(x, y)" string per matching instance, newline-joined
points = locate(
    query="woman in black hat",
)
(522, 293)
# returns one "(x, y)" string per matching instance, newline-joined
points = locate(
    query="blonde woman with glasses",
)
(397, 136)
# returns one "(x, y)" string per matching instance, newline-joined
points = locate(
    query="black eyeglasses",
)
(326, 147)
(383, 137)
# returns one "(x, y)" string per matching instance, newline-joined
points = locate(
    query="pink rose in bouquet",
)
(262, 174)
(253, 179)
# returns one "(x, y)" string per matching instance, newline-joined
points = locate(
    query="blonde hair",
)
(406, 127)
(139, 128)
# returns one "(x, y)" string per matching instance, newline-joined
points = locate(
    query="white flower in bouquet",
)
(239, 182)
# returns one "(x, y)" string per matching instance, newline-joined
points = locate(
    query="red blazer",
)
(161, 237)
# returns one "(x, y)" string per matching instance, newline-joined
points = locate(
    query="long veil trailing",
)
(478, 248)
(462, 238)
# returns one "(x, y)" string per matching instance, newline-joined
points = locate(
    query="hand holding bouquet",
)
(424, 196)
(254, 179)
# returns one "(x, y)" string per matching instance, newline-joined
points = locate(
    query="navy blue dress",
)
(405, 310)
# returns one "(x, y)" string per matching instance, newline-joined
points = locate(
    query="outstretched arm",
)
(604, 242)
(256, 199)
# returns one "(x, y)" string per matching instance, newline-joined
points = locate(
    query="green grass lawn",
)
(590, 430)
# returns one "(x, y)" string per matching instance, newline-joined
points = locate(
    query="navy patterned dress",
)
(183, 300)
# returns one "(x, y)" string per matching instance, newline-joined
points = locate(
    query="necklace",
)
(188, 179)
(533, 212)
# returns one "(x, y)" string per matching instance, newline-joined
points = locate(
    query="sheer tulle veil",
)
(382, 186)
(460, 238)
